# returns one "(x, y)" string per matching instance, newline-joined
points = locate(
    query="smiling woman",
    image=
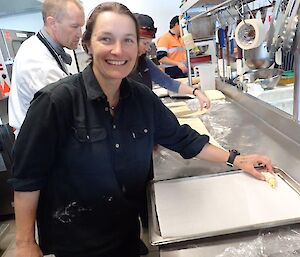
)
(84, 173)
(111, 38)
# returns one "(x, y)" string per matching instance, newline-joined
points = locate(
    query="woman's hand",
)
(28, 249)
(248, 163)
(203, 99)
(182, 67)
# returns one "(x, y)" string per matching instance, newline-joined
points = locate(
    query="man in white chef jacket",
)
(41, 59)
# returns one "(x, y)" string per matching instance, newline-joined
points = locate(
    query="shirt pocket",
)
(141, 141)
(89, 135)
(85, 143)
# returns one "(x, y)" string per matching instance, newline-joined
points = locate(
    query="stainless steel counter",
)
(249, 125)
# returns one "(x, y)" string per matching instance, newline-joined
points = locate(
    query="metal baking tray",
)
(288, 188)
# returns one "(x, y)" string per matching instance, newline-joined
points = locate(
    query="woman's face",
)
(144, 45)
(113, 46)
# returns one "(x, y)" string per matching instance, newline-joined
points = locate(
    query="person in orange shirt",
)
(171, 52)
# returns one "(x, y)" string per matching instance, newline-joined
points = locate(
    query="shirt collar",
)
(57, 47)
(173, 34)
(94, 90)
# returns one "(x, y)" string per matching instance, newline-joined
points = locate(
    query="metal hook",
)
(249, 10)
(230, 16)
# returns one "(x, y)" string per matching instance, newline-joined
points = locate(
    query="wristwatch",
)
(194, 91)
(232, 154)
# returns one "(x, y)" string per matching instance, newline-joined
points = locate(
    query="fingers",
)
(255, 173)
(248, 163)
(204, 101)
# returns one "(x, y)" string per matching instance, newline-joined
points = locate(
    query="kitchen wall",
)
(161, 11)
(26, 22)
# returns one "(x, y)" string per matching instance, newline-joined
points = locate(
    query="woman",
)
(80, 168)
(147, 71)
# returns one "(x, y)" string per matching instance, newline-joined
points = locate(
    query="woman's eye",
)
(129, 40)
(105, 40)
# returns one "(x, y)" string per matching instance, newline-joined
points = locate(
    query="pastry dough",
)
(270, 178)
(213, 94)
(175, 104)
(182, 110)
(195, 80)
(161, 92)
(198, 125)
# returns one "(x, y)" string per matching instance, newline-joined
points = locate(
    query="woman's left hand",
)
(248, 163)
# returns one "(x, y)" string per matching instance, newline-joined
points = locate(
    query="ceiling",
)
(12, 7)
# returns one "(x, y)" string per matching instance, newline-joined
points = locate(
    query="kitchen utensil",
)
(267, 78)
(259, 57)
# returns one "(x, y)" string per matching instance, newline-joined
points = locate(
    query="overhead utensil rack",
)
(220, 7)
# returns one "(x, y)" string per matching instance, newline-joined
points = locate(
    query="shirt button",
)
(117, 145)
(106, 109)
(114, 126)
(145, 130)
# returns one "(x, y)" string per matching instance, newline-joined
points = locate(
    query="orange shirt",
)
(173, 46)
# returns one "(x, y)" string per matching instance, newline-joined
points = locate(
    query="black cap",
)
(146, 25)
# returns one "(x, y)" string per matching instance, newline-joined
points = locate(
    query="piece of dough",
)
(175, 104)
(195, 80)
(213, 94)
(161, 92)
(193, 114)
(270, 178)
(198, 125)
(183, 111)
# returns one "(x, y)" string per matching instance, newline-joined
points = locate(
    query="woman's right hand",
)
(28, 249)
(182, 67)
(203, 99)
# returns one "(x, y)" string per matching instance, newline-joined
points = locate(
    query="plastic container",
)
(206, 72)
(288, 77)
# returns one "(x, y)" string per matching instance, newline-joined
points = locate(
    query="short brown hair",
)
(57, 8)
(105, 7)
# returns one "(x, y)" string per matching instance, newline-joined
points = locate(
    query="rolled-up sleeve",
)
(179, 138)
(35, 147)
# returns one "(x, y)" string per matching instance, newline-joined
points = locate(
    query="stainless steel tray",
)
(155, 230)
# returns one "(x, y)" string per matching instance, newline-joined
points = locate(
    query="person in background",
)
(90, 150)
(41, 59)
(147, 71)
(171, 52)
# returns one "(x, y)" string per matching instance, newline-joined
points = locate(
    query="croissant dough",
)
(214, 94)
(198, 125)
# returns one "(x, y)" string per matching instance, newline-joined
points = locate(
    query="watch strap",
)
(232, 154)
(194, 91)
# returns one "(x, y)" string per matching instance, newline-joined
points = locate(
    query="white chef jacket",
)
(34, 67)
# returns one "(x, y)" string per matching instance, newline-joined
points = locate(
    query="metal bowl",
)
(267, 78)
(259, 57)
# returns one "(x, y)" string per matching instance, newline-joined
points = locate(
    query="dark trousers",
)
(175, 73)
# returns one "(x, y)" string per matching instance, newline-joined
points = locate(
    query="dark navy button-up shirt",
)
(91, 167)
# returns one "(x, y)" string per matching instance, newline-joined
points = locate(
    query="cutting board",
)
(215, 205)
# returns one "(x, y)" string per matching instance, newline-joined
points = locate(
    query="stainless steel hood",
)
(13, 7)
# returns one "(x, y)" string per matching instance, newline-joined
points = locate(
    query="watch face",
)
(232, 154)
(235, 151)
